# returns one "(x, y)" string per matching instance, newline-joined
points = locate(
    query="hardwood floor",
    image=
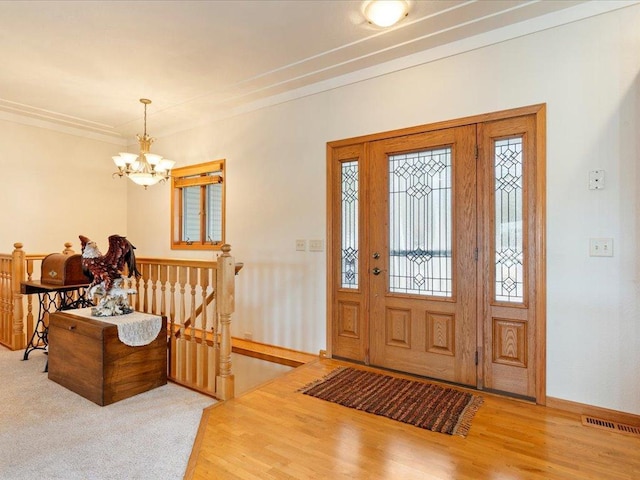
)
(274, 432)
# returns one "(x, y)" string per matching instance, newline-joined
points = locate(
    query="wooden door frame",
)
(539, 112)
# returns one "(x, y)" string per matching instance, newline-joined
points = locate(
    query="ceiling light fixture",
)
(145, 168)
(385, 13)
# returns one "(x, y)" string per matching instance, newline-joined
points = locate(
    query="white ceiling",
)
(83, 65)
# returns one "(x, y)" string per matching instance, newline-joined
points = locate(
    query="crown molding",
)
(26, 115)
(34, 117)
(521, 29)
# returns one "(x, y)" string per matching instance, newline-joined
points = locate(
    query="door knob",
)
(376, 271)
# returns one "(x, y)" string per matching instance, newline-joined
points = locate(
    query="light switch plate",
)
(601, 247)
(301, 245)
(316, 245)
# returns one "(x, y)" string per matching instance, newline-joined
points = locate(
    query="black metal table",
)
(51, 298)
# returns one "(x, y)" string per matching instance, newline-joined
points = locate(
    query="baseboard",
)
(584, 409)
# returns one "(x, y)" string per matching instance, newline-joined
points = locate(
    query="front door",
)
(436, 251)
(422, 237)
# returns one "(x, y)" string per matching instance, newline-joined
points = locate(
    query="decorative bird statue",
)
(106, 274)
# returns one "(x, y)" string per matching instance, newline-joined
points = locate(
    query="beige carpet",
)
(49, 432)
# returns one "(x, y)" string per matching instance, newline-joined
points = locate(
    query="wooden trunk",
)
(86, 356)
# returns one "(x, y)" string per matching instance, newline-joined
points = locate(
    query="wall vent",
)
(610, 426)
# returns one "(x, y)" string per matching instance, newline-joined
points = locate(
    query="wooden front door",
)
(422, 238)
(436, 251)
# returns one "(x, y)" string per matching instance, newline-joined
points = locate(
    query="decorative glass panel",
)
(349, 244)
(420, 223)
(509, 272)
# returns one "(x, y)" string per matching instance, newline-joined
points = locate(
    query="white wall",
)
(586, 73)
(56, 186)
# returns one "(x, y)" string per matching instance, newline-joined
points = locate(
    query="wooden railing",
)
(12, 272)
(196, 296)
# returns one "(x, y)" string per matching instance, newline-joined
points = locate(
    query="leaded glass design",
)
(349, 241)
(509, 250)
(420, 223)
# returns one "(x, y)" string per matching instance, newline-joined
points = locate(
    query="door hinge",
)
(477, 151)
(477, 355)
(475, 254)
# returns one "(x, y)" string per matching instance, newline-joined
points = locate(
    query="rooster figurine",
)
(106, 274)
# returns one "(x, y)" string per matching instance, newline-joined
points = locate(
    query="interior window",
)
(197, 206)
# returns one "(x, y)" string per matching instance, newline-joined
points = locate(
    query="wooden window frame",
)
(195, 175)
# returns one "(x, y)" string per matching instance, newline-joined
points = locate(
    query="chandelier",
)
(145, 168)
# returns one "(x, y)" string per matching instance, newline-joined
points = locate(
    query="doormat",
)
(425, 405)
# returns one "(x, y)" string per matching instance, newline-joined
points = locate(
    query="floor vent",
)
(610, 426)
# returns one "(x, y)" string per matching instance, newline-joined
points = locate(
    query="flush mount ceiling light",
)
(145, 168)
(385, 13)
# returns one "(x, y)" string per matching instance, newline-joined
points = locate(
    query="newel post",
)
(225, 299)
(67, 249)
(18, 337)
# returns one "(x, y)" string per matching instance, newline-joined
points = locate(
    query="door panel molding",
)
(510, 342)
(441, 333)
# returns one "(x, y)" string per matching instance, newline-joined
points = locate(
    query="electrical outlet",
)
(301, 245)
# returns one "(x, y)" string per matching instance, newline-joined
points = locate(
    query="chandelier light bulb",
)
(165, 165)
(385, 13)
(152, 158)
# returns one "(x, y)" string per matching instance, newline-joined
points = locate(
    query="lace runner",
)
(134, 329)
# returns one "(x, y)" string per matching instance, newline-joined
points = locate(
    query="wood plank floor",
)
(274, 432)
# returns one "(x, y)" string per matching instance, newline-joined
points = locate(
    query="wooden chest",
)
(61, 269)
(87, 357)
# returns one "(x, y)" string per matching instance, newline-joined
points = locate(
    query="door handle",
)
(376, 271)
